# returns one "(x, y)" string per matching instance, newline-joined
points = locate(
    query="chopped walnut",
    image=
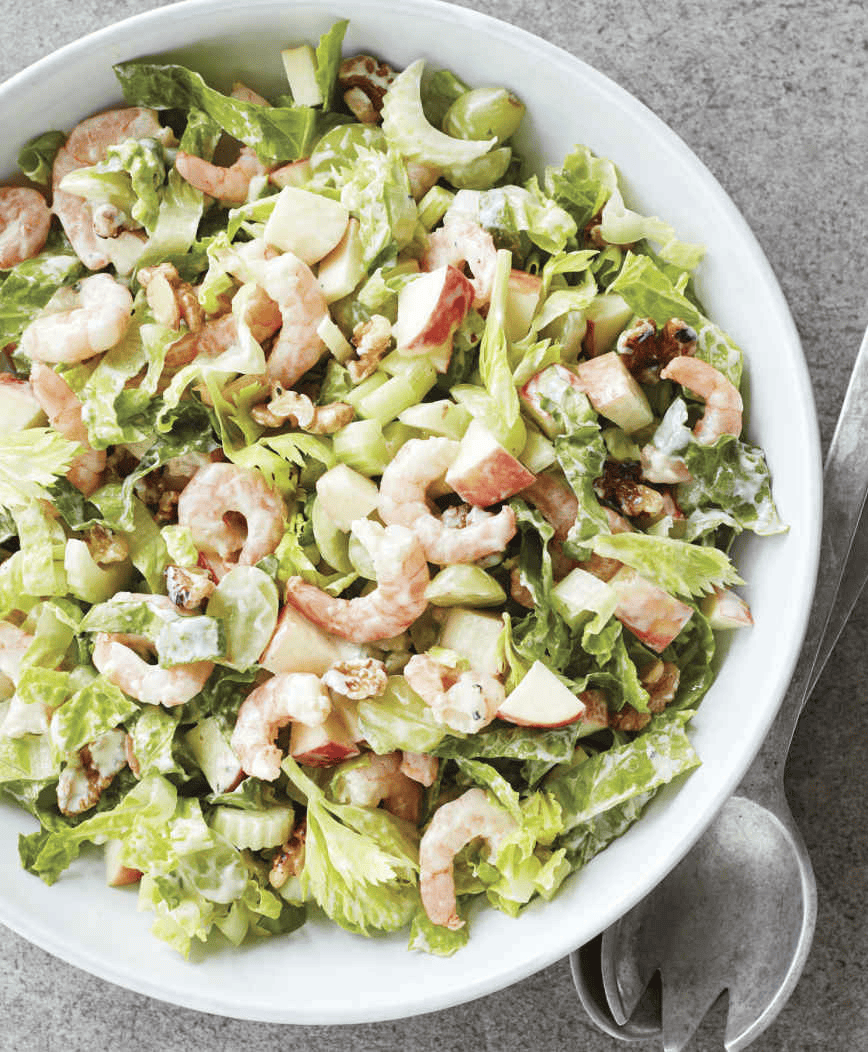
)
(645, 349)
(365, 81)
(89, 771)
(108, 220)
(167, 506)
(371, 339)
(171, 300)
(188, 586)
(357, 678)
(289, 860)
(104, 546)
(518, 590)
(661, 680)
(299, 410)
(620, 483)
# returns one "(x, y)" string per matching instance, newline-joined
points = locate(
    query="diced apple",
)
(298, 645)
(475, 636)
(580, 595)
(523, 292)
(18, 406)
(653, 615)
(296, 173)
(348, 710)
(430, 309)
(346, 495)
(464, 584)
(615, 393)
(443, 417)
(117, 875)
(550, 383)
(323, 745)
(343, 268)
(605, 318)
(300, 66)
(306, 224)
(484, 473)
(724, 609)
(214, 755)
(541, 700)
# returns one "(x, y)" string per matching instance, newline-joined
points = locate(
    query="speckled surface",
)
(772, 97)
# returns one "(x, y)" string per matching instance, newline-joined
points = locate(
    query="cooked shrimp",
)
(396, 602)
(723, 404)
(464, 701)
(292, 285)
(230, 184)
(86, 145)
(461, 241)
(218, 334)
(14, 643)
(454, 825)
(380, 780)
(89, 322)
(282, 699)
(25, 219)
(233, 515)
(420, 766)
(117, 657)
(62, 407)
(419, 463)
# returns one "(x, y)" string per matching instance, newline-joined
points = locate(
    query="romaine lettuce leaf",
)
(276, 133)
(601, 795)
(582, 184)
(36, 156)
(651, 294)
(90, 712)
(328, 60)
(731, 476)
(28, 286)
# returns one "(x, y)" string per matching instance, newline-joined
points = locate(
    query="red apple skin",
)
(451, 299)
(490, 475)
(536, 723)
(547, 379)
(522, 299)
(323, 745)
(724, 609)
(654, 616)
(124, 876)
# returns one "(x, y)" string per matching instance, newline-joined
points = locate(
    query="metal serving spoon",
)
(738, 912)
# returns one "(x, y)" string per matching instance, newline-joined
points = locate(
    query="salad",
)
(367, 499)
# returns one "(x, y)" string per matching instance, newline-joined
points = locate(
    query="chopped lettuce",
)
(28, 287)
(276, 133)
(36, 156)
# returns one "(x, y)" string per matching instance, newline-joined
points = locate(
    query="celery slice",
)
(254, 830)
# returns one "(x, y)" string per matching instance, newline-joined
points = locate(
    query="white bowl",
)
(322, 974)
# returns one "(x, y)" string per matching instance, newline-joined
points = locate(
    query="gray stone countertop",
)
(771, 95)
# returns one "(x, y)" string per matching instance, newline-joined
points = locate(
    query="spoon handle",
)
(841, 574)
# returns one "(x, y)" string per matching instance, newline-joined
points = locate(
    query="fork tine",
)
(683, 1013)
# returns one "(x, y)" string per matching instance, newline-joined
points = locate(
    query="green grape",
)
(482, 173)
(337, 148)
(484, 113)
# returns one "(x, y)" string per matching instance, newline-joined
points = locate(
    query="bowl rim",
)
(58, 943)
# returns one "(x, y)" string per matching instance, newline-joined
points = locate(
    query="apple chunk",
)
(298, 645)
(614, 392)
(323, 745)
(549, 384)
(430, 309)
(215, 756)
(484, 473)
(651, 614)
(343, 268)
(523, 292)
(541, 700)
(476, 637)
(725, 609)
(117, 875)
(604, 319)
(346, 495)
(306, 224)
(18, 406)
